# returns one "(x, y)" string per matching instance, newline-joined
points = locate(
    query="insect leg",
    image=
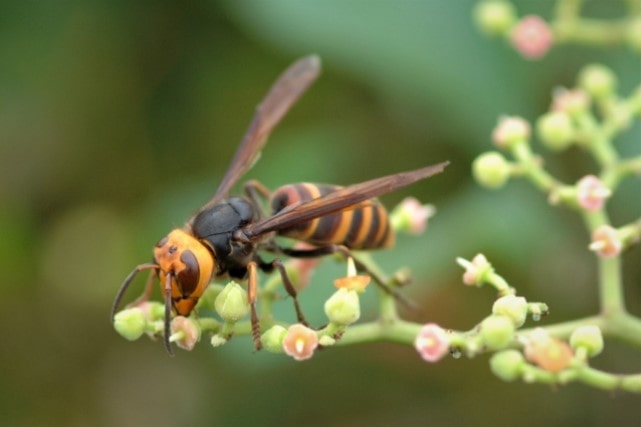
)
(167, 331)
(291, 290)
(258, 194)
(360, 266)
(146, 293)
(252, 287)
(125, 285)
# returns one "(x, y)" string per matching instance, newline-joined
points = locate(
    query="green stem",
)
(625, 327)
(399, 331)
(567, 10)
(609, 271)
(610, 286)
(590, 31)
(598, 142)
(530, 166)
(208, 324)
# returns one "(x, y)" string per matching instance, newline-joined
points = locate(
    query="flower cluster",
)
(589, 117)
(572, 121)
(532, 36)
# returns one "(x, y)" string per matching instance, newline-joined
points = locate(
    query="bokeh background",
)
(118, 119)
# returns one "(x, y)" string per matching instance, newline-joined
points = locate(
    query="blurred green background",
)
(118, 119)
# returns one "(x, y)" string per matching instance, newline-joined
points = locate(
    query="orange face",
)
(190, 265)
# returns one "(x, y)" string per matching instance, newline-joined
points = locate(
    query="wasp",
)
(227, 235)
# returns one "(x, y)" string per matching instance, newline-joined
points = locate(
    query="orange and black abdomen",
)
(365, 226)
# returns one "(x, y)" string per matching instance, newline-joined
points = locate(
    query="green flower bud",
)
(272, 339)
(555, 130)
(574, 102)
(497, 331)
(231, 304)
(597, 80)
(155, 311)
(343, 307)
(130, 323)
(507, 364)
(511, 131)
(491, 169)
(513, 307)
(495, 17)
(208, 299)
(588, 337)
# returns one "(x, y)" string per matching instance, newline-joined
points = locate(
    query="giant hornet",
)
(226, 235)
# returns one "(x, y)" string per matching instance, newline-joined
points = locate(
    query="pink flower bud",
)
(411, 216)
(432, 342)
(606, 242)
(475, 270)
(510, 130)
(591, 193)
(532, 37)
(570, 101)
(300, 342)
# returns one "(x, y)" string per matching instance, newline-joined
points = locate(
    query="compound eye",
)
(188, 277)
(162, 242)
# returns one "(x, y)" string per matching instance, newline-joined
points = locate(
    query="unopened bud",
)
(573, 102)
(343, 307)
(272, 339)
(507, 364)
(597, 80)
(588, 337)
(510, 130)
(491, 170)
(231, 304)
(555, 130)
(532, 37)
(497, 331)
(513, 307)
(495, 17)
(130, 323)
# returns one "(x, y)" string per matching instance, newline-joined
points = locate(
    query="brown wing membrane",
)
(339, 200)
(282, 95)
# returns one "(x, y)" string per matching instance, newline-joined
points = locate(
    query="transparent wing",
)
(283, 94)
(338, 200)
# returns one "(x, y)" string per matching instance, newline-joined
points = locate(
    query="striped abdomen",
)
(365, 226)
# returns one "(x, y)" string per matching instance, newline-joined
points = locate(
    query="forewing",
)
(339, 200)
(282, 95)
